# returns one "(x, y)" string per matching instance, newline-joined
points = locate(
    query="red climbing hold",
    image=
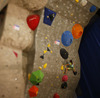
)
(33, 21)
(15, 54)
(33, 91)
(56, 96)
(65, 78)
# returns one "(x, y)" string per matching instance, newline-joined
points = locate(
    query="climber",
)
(70, 66)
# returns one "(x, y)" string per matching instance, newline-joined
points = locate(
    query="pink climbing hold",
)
(33, 21)
(15, 54)
(65, 78)
(56, 96)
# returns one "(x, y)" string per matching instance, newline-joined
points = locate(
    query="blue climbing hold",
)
(49, 16)
(67, 38)
(93, 8)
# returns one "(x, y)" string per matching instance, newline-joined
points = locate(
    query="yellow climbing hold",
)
(71, 14)
(77, 1)
(45, 51)
(51, 84)
(62, 67)
(45, 65)
(51, 51)
(47, 16)
(37, 92)
(57, 77)
(45, 37)
(49, 45)
(29, 76)
(40, 67)
(73, 21)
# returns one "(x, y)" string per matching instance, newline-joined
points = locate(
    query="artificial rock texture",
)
(51, 84)
(21, 38)
(31, 5)
(68, 13)
(12, 82)
(3, 3)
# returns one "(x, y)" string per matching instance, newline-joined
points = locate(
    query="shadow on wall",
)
(30, 55)
(2, 19)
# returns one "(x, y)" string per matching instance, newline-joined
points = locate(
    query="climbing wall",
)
(11, 73)
(53, 74)
(3, 3)
(72, 10)
(68, 13)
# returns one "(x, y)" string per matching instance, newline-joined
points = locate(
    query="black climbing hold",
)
(51, 16)
(37, 84)
(42, 56)
(48, 49)
(64, 85)
(63, 53)
(75, 72)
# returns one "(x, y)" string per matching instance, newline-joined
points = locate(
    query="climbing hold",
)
(48, 49)
(77, 31)
(64, 85)
(84, 2)
(45, 37)
(63, 53)
(45, 51)
(62, 67)
(42, 56)
(65, 78)
(33, 91)
(57, 77)
(33, 21)
(49, 45)
(51, 84)
(15, 53)
(29, 75)
(77, 1)
(45, 65)
(36, 77)
(75, 72)
(56, 96)
(93, 8)
(67, 38)
(49, 16)
(71, 14)
(51, 51)
(40, 67)
(73, 22)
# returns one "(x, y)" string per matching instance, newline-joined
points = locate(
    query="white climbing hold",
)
(83, 2)
(15, 79)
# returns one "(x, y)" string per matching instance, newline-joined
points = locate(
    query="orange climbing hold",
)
(77, 31)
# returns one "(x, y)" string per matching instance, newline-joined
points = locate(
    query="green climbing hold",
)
(36, 77)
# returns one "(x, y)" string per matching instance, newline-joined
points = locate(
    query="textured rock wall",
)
(20, 38)
(31, 5)
(12, 84)
(3, 3)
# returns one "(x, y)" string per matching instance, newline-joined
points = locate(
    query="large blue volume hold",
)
(67, 38)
